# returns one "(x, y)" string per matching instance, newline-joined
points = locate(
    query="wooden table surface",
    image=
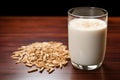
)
(16, 31)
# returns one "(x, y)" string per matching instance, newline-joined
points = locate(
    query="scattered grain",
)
(42, 55)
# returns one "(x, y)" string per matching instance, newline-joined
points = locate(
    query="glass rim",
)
(98, 8)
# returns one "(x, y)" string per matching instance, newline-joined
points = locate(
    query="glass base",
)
(86, 67)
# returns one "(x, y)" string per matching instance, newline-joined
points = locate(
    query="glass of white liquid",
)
(87, 33)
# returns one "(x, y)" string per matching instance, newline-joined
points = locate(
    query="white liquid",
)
(87, 41)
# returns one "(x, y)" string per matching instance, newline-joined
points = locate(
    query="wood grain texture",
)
(22, 30)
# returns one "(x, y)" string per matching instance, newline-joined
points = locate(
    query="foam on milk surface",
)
(87, 24)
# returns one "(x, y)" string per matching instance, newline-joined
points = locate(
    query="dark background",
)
(53, 7)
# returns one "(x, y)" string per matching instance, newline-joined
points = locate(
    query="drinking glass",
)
(87, 33)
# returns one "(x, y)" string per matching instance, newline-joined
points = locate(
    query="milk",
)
(87, 41)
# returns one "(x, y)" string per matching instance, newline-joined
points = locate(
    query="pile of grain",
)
(42, 55)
